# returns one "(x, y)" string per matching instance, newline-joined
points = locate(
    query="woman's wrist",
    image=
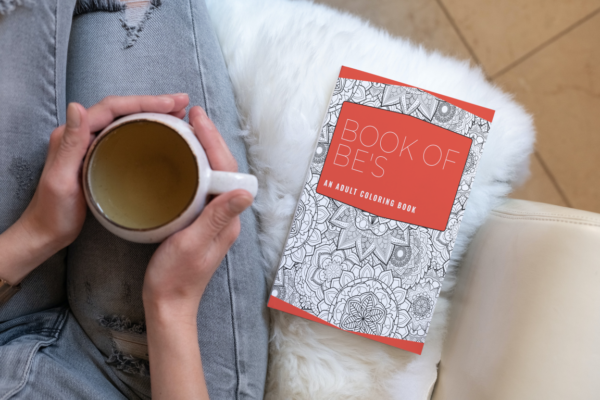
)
(166, 312)
(174, 351)
(23, 249)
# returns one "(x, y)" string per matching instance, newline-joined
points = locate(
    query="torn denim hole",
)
(137, 13)
(6, 6)
(128, 363)
(130, 344)
(121, 323)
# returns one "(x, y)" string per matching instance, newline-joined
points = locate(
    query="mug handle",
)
(221, 182)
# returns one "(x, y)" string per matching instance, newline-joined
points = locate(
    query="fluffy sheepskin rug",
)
(283, 58)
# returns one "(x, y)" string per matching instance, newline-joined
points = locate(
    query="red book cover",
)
(374, 228)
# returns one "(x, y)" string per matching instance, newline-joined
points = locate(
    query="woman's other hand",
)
(183, 264)
(56, 213)
(178, 273)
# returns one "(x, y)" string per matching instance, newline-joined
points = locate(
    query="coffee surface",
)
(143, 175)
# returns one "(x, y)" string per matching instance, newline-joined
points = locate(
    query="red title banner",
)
(394, 165)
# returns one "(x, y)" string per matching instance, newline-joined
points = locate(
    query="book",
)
(375, 225)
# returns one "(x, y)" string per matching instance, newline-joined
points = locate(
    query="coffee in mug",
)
(143, 175)
(146, 176)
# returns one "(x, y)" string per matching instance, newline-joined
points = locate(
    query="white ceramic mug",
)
(210, 181)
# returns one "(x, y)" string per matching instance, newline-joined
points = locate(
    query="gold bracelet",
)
(7, 291)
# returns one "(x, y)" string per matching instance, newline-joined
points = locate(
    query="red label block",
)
(394, 166)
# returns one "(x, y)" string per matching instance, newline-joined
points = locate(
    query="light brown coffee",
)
(143, 175)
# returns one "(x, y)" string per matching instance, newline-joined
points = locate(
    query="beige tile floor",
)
(545, 52)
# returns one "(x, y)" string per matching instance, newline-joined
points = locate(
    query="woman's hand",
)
(184, 263)
(56, 213)
(178, 273)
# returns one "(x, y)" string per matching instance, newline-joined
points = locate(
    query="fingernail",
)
(181, 94)
(239, 203)
(73, 116)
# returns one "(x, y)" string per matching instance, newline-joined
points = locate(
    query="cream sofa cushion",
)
(525, 319)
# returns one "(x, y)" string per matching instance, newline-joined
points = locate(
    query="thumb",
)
(75, 139)
(221, 211)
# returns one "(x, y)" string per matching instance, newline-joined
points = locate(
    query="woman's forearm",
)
(175, 363)
(179, 272)
(21, 251)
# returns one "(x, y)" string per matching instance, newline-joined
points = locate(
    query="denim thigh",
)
(170, 47)
(20, 340)
(43, 352)
(33, 56)
(46, 355)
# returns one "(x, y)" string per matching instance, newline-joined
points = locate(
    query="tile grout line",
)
(459, 33)
(515, 63)
(552, 179)
(545, 44)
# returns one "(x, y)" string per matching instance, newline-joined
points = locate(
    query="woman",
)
(61, 333)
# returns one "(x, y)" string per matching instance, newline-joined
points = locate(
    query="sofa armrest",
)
(525, 319)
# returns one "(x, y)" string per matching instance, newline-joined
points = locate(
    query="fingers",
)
(104, 112)
(181, 101)
(229, 233)
(69, 144)
(54, 144)
(179, 114)
(217, 151)
(220, 213)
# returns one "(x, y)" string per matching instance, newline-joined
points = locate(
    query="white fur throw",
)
(283, 58)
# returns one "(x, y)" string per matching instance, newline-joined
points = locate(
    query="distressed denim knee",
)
(133, 14)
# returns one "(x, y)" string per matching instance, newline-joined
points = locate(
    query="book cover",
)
(372, 235)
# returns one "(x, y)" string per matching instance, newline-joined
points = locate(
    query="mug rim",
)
(90, 156)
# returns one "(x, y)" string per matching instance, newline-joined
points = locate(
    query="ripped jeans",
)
(76, 329)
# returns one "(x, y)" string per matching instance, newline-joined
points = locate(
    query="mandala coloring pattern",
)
(365, 273)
